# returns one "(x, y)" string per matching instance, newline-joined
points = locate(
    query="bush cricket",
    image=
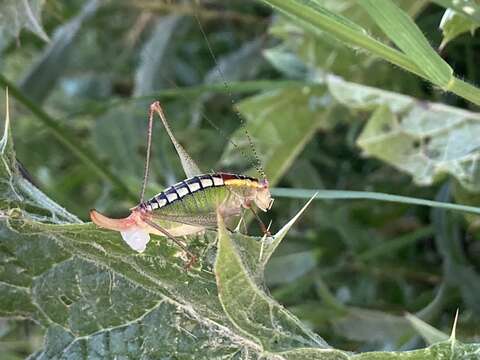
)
(190, 206)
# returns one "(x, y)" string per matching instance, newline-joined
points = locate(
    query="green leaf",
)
(242, 63)
(416, 136)
(18, 14)
(378, 326)
(88, 289)
(412, 136)
(66, 138)
(285, 62)
(280, 123)
(249, 308)
(445, 350)
(371, 325)
(454, 24)
(287, 268)
(118, 135)
(150, 75)
(44, 74)
(403, 31)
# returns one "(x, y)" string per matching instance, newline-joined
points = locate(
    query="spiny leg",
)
(189, 166)
(265, 230)
(240, 223)
(243, 222)
(192, 257)
(147, 160)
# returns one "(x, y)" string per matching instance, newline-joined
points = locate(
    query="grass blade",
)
(319, 18)
(368, 195)
(316, 17)
(403, 31)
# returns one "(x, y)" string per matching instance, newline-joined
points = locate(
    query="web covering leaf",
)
(96, 298)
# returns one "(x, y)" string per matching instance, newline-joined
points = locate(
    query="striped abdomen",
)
(194, 185)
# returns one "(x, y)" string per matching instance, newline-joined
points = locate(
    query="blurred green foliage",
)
(349, 269)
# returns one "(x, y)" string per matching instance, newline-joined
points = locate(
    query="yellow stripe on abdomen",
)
(241, 182)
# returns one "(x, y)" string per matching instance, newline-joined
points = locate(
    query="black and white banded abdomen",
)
(188, 187)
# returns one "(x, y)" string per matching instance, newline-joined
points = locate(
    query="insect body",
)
(189, 206)
(193, 200)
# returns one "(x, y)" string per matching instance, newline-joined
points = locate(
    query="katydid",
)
(190, 206)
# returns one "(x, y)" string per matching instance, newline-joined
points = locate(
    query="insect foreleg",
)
(240, 222)
(192, 257)
(260, 222)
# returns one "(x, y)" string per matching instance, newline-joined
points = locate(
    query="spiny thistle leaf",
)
(98, 299)
(93, 294)
(250, 309)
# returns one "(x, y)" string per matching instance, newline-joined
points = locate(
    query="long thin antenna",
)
(256, 158)
(147, 160)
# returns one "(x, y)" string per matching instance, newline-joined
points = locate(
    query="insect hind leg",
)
(189, 166)
(191, 256)
(147, 159)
